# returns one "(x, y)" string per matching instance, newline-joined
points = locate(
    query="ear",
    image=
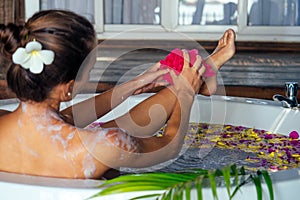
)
(66, 93)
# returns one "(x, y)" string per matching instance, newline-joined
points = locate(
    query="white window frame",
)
(170, 30)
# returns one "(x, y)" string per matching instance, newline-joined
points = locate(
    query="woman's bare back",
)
(37, 142)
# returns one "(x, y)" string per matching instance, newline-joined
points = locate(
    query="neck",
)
(38, 107)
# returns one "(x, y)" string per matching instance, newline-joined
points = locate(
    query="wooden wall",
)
(12, 11)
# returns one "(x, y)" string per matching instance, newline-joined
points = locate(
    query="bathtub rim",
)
(11, 177)
(245, 100)
(282, 185)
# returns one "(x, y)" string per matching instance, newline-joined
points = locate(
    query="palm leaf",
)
(237, 188)
(146, 196)
(167, 195)
(178, 192)
(149, 177)
(180, 185)
(198, 185)
(226, 175)
(257, 183)
(235, 173)
(213, 185)
(268, 181)
(188, 188)
(129, 187)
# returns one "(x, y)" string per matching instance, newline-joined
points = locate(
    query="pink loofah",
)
(174, 60)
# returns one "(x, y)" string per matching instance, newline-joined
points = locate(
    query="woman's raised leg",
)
(156, 109)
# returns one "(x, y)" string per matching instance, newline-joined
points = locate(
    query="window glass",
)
(82, 7)
(273, 12)
(207, 12)
(132, 11)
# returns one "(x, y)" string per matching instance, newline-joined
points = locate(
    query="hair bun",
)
(9, 39)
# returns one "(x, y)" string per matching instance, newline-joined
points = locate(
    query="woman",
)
(38, 139)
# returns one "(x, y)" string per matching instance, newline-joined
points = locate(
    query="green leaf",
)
(130, 187)
(257, 182)
(188, 191)
(200, 171)
(168, 195)
(268, 181)
(198, 184)
(242, 171)
(179, 185)
(179, 191)
(213, 185)
(239, 185)
(150, 177)
(174, 193)
(226, 175)
(146, 196)
(235, 173)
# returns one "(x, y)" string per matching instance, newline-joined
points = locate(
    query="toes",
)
(231, 34)
(222, 42)
(226, 36)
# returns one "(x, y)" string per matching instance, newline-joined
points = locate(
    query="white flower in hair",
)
(32, 57)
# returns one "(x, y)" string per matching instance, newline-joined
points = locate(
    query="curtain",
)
(82, 7)
(298, 12)
(291, 13)
(131, 11)
(197, 17)
(116, 11)
(274, 13)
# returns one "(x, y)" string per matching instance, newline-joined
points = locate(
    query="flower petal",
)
(28, 63)
(33, 46)
(46, 56)
(36, 64)
(20, 56)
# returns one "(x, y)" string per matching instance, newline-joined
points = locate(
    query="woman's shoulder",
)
(4, 112)
(7, 120)
(110, 137)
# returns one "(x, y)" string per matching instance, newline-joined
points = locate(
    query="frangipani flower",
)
(32, 57)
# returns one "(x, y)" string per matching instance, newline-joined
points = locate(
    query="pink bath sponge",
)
(174, 60)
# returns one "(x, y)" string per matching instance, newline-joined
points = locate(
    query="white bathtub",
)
(261, 114)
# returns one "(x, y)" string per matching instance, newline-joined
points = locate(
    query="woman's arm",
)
(114, 148)
(153, 150)
(146, 118)
(91, 109)
(143, 120)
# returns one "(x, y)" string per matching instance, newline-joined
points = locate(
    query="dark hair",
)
(70, 36)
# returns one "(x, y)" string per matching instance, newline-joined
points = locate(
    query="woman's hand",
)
(190, 78)
(150, 79)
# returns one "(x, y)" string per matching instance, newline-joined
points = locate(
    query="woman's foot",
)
(223, 52)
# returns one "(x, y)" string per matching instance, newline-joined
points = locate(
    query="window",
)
(273, 13)
(253, 20)
(204, 12)
(132, 12)
(82, 7)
